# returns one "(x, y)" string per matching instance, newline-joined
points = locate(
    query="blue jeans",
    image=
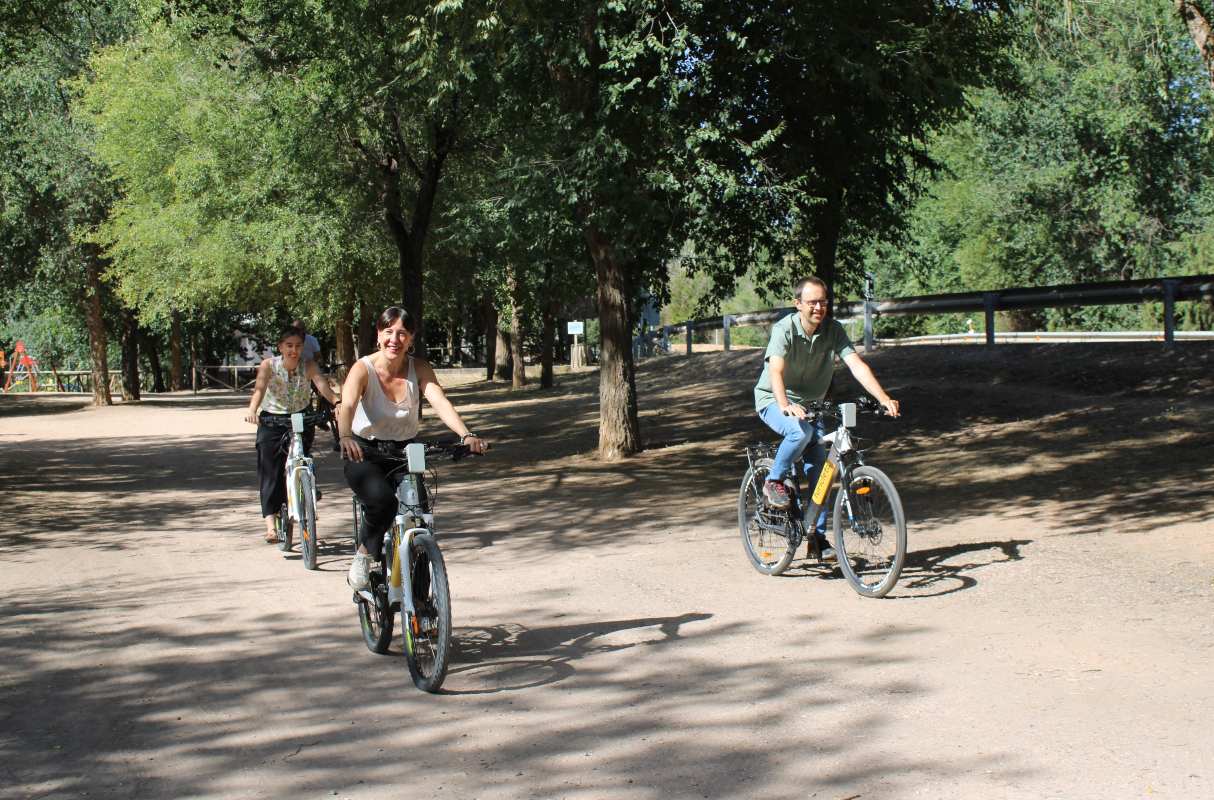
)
(800, 441)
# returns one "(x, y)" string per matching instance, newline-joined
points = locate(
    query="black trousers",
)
(273, 444)
(370, 481)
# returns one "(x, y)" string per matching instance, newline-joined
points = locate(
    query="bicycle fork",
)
(400, 576)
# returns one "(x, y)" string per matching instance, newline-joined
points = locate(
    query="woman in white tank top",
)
(381, 402)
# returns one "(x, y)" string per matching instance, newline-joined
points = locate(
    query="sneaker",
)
(825, 551)
(776, 494)
(359, 568)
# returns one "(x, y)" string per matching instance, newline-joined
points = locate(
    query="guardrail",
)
(1169, 290)
(1045, 337)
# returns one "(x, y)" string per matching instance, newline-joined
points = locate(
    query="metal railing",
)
(1169, 290)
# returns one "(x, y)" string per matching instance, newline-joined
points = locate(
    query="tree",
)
(401, 88)
(1198, 22)
(1097, 169)
(597, 79)
(52, 191)
(837, 102)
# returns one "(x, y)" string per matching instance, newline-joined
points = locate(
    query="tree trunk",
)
(619, 427)
(367, 339)
(97, 340)
(502, 362)
(151, 350)
(175, 366)
(489, 318)
(518, 374)
(344, 334)
(1197, 20)
(827, 226)
(409, 235)
(130, 357)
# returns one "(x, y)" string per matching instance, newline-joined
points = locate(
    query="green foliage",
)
(54, 336)
(222, 201)
(1097, 169)
(836, 103)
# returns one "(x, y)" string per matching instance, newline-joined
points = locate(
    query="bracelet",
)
(466, 435)
(339, 438)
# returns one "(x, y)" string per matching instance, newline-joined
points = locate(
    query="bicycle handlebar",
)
(818, 409)
(310, 418)
(455, 450)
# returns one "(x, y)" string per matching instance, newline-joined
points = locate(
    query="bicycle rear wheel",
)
(427, 633)
(307, 520)
(870, 542)
(770, 537)
(283, 524)
(376, 618)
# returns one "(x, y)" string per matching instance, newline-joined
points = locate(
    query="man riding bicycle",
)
(798, 368)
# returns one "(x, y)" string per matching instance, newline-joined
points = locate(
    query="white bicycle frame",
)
(405, 526)
(298, 462)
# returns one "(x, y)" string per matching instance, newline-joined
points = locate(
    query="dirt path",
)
(1051, 636)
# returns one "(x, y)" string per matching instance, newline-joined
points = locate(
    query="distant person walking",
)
(311, 347)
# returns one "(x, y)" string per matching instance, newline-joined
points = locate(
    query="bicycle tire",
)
(768, 550)
(376, 620)
(283, 524)
(870, 545)
(427, 634)
(307, 519)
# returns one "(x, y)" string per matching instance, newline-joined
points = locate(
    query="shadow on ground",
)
(132, 698)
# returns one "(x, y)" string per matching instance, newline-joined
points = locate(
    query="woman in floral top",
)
(282, 389)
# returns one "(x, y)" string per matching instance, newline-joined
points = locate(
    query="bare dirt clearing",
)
(1051, 636)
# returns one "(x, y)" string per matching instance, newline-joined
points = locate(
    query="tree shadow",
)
(111, 692)
(512, 656)
(16, 406)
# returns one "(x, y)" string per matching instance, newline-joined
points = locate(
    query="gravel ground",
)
(1051, 635)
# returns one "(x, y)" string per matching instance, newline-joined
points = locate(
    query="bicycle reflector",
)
(865, 489)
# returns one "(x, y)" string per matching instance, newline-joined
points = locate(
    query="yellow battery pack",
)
(823, 485)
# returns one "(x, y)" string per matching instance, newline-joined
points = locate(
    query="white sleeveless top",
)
(377, 417)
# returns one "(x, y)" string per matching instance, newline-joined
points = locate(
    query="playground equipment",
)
(25, 368)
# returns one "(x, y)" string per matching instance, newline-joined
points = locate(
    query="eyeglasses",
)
(813, 303)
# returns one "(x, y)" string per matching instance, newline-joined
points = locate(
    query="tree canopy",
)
(179, 167)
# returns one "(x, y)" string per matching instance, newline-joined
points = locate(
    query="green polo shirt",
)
(808, 360)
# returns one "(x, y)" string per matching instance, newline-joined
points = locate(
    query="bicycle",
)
(301, 486)
(868, 521)
(416, 586)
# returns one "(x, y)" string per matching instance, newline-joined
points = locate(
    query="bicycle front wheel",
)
(768, 536)
(307, 520)
(427, 632)
(870, 539)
